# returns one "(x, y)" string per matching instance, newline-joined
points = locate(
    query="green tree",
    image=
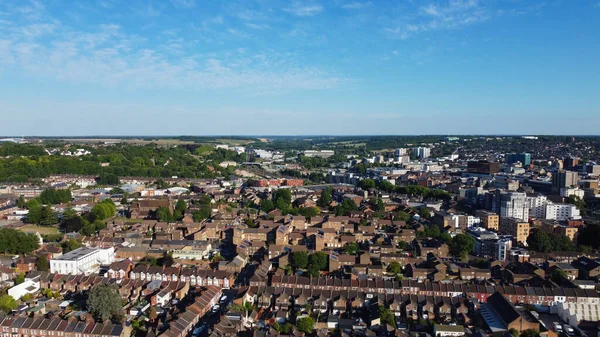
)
(70, 245)
(266, 205)
(202, 214)
(7, 303)
(20, 279)
(558, 275)
(514, 332)
(299, 259)
(104, 303)
(108, 179)
(309, 211)
(181, 206)
(306, 324)
(319, 260)
(48, 217)
(284, 194)
(42, 263)
(163, 214)
(74, 224)
(352, 248)
(88, 229)
(69, 213)
(539, 241)
(326, 198)
(386, 316)
(35, 211)
(462, 245)
(17, 242)
(394, 267)
(21, 203)
(425, 212)
(366, 184)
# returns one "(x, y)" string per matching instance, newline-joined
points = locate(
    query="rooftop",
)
(76, 254)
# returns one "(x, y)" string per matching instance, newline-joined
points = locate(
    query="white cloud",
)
(357, 5)
(302, 9)
(108, 56)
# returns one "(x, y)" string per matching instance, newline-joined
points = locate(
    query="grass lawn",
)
(39, 229)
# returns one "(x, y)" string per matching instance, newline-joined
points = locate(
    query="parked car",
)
(557, 327)
(568, 329)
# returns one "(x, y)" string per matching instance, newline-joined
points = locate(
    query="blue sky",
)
(205, 67)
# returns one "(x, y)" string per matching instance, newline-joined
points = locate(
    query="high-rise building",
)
(514, 205)
(537, 206)
(523, 158)
(400, 152)
(564, 178)
(571, 162)
(422, 152)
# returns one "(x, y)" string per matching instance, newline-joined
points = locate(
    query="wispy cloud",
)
(452, 15)
(356, 5)
(108, 56)
(304, 9)
(258, 26)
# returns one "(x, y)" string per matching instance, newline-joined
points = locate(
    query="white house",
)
(443, 330)
(30, 286)
(82, 260)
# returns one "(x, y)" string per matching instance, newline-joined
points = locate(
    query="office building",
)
(523, 158)
(82, 260)
(516, 228)
(483, 167)
(514, 205)
(564, 178)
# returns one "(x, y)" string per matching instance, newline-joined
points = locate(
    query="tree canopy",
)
(549, 242)
(7, 303)
(16, 242)
(461, 245)
(104, 303)
(53, 196)
(105, 209)
(299, 259)
(306, 324)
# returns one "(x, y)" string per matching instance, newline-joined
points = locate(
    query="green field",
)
(39, 229)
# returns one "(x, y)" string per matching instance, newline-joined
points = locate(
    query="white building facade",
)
(82, 261)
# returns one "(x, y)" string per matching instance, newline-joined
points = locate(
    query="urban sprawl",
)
(300, 236)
